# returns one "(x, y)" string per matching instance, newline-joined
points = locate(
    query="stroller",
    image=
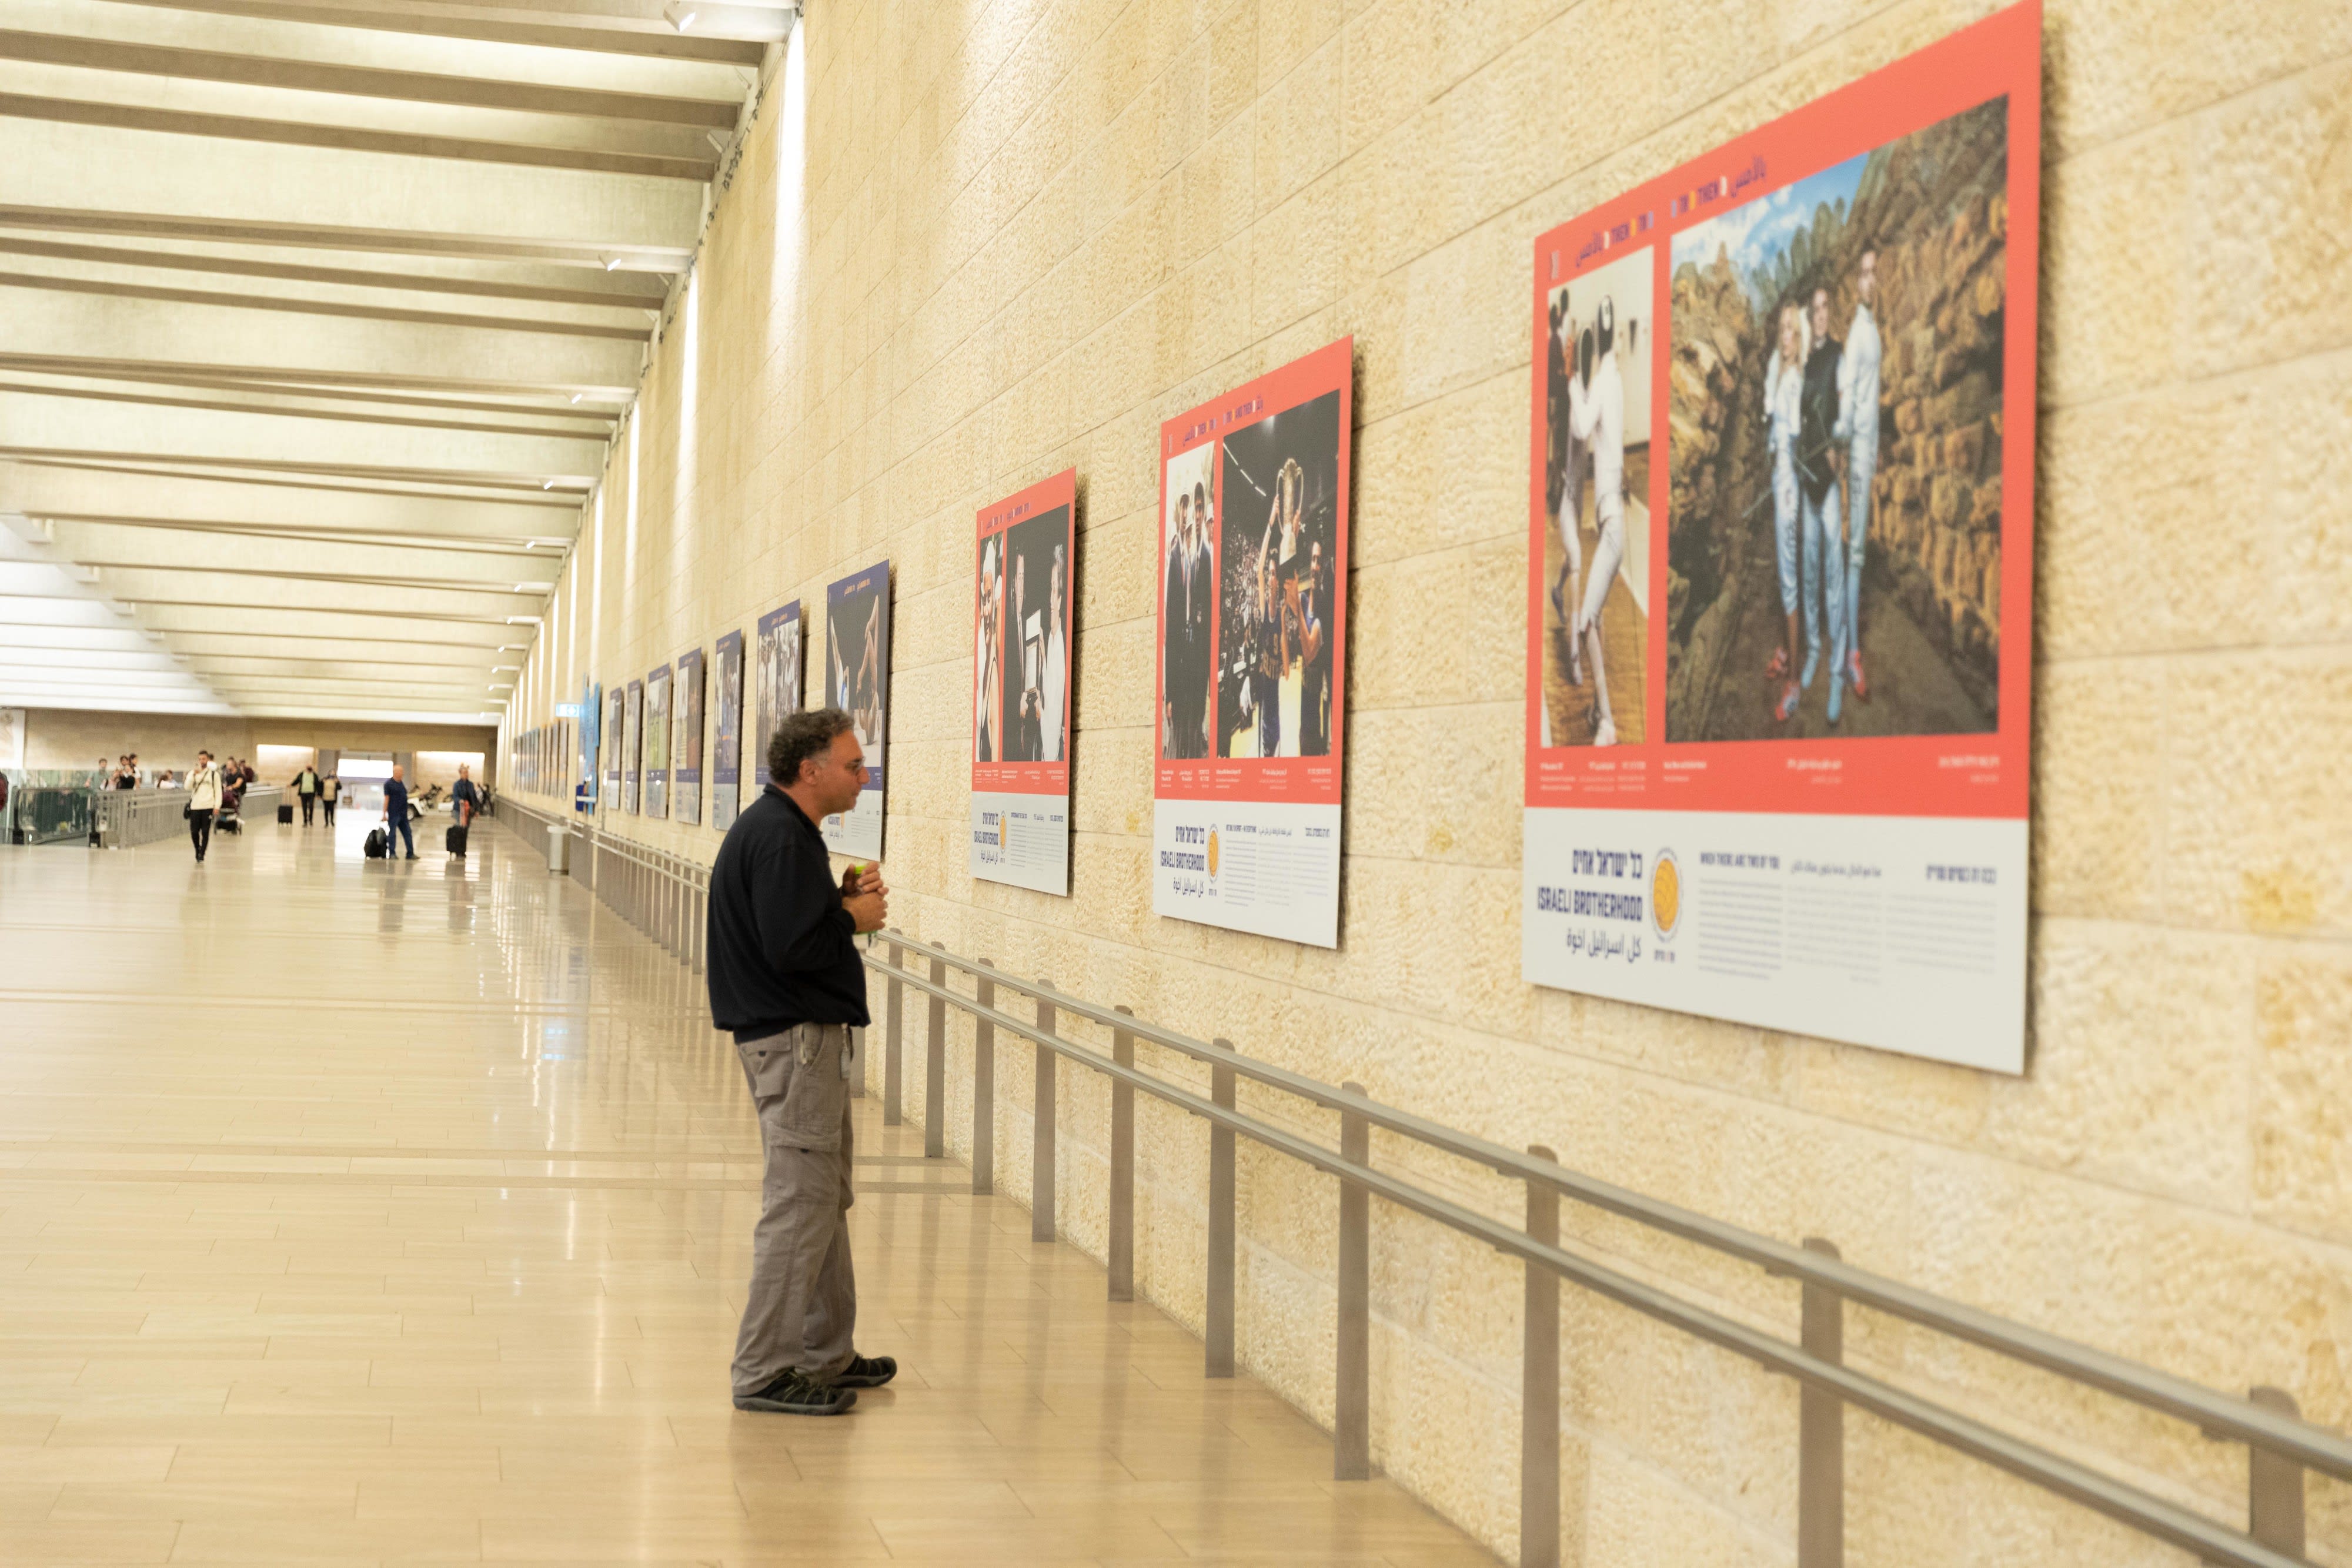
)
(227, 819)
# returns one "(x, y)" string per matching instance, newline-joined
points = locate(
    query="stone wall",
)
(971, 242)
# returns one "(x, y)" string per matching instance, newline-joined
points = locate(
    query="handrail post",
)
(1122, 1167)
(894, 1008)
(984, 1089)
(2274, 1485)
(1218, 1318)
(1539, 1387)
(1820, 1429)
(1041, 1132)
(1352, 1397)
(935, 1070)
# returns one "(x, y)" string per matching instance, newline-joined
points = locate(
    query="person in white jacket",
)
(205, 788)
(1858, 387)
(1784, 384)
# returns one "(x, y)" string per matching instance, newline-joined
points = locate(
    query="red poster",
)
(1779, 588)
(1251, 602)
(1022, 627)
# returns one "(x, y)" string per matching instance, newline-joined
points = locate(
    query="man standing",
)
(395, 815)
(329, 789)
(306, 786)
(785, 979)
(1858, 428)
(1820, 456)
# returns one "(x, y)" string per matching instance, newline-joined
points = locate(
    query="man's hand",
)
(868, 911)
(865, 897)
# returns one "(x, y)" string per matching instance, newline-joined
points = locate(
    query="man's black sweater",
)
(783, 949)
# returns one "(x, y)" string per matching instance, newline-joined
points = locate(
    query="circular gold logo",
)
(1212, 852)
(1666, 893)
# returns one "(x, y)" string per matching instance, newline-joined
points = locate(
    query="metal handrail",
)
(2223, 1414)
(2281, 1445)
(652, 886)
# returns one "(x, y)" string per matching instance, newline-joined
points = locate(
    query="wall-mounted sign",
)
(1781, 568)
(857, 680)
(1023, 622)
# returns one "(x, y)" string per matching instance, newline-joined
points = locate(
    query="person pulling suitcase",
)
(465, 801)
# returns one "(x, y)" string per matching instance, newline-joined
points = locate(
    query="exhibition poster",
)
(1253, 610)
(656, 742)
(1781, 569)
(778, 681)
(727, 752)
(686, 742)
(633, 731)
(857, 681)
(1022, 623)
(614, 739)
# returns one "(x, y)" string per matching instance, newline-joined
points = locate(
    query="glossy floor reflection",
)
(385, 1213)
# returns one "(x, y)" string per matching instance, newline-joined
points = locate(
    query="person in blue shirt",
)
(395, 815)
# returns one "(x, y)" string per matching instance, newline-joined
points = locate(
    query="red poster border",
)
(1031, 778)
(1315, 779)
(1923, 775)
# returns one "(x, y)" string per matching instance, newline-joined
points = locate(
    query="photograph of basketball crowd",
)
(1834, 527)
(1278, 541)
(1597, 352)
(1021, 662)
(1188, 577)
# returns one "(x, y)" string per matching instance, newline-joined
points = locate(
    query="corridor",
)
(357, 1213)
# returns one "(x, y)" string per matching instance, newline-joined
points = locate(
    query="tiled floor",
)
(362, 1213)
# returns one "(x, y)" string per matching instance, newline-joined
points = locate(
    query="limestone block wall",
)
(971, 242)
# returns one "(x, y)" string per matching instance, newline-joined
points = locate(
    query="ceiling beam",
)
(114, 368)
(148, 373)
(347, 138)
(63, 284)
(414, 492)
(361, 81)
(534, 483)
(216, 405)
(340, 237)
(603, 34)
(624, 291)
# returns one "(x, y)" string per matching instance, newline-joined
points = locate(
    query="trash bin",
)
(558, 849)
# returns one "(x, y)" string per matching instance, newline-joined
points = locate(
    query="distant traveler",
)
(306, 784)
(329, 789)
(207, 788)
(785, 979)
(395, 815)
(126, 776)
(465, 804)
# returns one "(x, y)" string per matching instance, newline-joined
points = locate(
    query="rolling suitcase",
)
(455, 840)
(375, 846)
(285, 812)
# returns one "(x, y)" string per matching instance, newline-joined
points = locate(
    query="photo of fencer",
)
(1598, 347)
(1834, 526)
(854, 675)
(1187, 569)
(1279, 537)
(1032, 650)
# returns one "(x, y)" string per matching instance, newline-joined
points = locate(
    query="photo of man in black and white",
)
(1188, 568)
(1030, 648)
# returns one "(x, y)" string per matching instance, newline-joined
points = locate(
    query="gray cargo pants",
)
(804, 1303)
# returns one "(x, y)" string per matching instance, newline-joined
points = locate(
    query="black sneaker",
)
(866, 1371)
(793, 1394)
